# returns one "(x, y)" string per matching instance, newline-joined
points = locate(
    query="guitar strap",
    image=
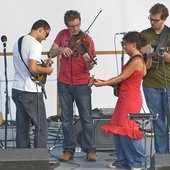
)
(19, 49)
(162, 38)
(32, 76)
(135, 56)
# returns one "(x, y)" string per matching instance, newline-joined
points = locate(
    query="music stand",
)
(143, 116)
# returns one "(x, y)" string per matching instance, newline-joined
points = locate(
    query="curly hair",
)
(135, 37)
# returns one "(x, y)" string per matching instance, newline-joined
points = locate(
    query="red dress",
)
(129, 101)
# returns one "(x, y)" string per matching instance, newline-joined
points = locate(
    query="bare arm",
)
(36, 68)
(55, 50)
(134, 65)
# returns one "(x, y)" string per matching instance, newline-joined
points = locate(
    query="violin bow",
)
(93, 22)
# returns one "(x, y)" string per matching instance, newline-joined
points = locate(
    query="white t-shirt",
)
(30, 49)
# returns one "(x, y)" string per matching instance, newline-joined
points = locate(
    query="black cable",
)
(68, 162)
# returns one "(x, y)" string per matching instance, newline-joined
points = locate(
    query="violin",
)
(79, 42)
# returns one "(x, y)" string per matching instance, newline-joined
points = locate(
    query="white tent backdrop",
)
(117, 16)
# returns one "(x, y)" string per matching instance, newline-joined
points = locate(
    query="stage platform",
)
(55, 137)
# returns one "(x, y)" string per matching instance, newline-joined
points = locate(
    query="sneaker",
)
(66, 156)
(117, 166)
(91, 157)
(143, 168)
(133, 168)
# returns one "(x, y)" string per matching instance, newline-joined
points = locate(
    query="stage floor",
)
(55, 136)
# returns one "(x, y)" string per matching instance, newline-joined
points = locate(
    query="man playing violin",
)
(153, 83)
(73, 84)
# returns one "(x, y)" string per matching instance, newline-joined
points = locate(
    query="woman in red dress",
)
(127, 136)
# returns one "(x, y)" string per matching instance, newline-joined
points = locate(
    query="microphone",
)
(120, 33)
(4, 40)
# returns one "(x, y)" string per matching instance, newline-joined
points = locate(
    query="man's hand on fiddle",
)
(86, 57)
(88, 61)
(67, 52)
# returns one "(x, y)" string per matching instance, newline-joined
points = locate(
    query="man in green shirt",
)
(154, 83)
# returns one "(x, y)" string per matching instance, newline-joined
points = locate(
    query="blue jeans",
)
(81, 94)
(156, 102)
(129, 152)
(30, 109)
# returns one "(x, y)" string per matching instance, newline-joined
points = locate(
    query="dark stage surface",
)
(104, 143)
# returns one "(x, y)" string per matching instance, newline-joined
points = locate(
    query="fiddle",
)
(78, 42)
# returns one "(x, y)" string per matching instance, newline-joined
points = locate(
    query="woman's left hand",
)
(98, 83)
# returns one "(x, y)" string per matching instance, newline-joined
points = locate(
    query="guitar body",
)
(116, 90)
(42, 78)
(151, 57)
(152, 63)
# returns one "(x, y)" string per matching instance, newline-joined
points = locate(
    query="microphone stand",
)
(161, 51)
(123, 51)
(122, 57)
(6, 90)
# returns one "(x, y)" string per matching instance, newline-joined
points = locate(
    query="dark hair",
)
(40, 24)
(135, 37)
(160, 8)
(71, 15)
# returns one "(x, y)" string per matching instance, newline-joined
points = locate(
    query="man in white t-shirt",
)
(26, 93)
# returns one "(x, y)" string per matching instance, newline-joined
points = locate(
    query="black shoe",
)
(53, 165)
(117, 166)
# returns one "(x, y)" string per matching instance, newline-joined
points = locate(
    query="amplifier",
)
(103, 141)
(106, 113)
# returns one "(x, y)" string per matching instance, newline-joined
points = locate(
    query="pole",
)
(161, 51)
(4, 39)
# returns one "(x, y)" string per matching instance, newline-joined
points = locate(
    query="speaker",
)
(103, 141)
(24, 159)
(160, 162)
